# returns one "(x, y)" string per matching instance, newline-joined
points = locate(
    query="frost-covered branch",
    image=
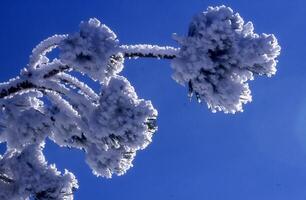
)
(31, 176)
(29, 77)
(20, 87)
(38, 56)
(148, 51)
(215, 61)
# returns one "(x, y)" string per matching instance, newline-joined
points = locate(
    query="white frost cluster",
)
(124, 123)
(23, 120)
(219, 55)
(111, 132)
(93, 51)
(26, 174)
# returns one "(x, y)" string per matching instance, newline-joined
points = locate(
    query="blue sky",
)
(257, 154)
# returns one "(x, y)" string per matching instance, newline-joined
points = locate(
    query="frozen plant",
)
(214, 60)
(219, 55)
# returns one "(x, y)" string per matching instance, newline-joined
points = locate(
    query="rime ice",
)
(219, 55)
(27, 174)
(93, 51)
(111, 123)
(124, 123)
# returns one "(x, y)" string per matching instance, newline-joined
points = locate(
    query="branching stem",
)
(129, 51)
(148, 51)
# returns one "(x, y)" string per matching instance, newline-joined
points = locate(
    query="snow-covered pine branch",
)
(214, 60)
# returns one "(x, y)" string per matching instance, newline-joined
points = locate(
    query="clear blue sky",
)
(259, 154)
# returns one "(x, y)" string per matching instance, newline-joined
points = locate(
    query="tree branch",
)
(129, 51)
(149, 51)
(22, 85)
(53, 72)
(25, 81)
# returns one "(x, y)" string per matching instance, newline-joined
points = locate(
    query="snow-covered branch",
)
(27, 174)
(38, 56)
(111, 123)
(148, 51)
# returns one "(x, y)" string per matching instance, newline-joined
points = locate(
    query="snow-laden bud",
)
(124, 123)
(27, 174)
(219, 55)
(93, 51)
